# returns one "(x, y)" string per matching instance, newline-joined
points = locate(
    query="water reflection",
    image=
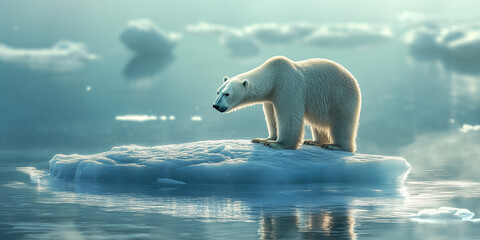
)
(282, 212)
(146, 67)
(447, 63)
(136, 118)
(304, 211)
(326, 224)
(447, 89)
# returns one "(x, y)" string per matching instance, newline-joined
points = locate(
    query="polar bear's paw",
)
(332, 147)
(259, 140)
(313, 143)
(262, 140)
(277, 145)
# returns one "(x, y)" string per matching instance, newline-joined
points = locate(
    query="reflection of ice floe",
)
(136, 118)
(219, 202)
(146, 67)
(444, 214)
(309, 204)
(228, 161)
(153, 46)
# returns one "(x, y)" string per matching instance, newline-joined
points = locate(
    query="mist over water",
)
(78, 78)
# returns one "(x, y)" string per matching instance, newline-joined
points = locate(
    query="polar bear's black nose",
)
(215, 106)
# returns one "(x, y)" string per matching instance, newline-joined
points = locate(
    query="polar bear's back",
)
(328, 80)
(331, 91)
(326, 72)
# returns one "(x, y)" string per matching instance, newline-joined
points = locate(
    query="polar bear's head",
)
(231, 95)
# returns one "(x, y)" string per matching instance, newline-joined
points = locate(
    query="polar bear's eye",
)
(227, 94)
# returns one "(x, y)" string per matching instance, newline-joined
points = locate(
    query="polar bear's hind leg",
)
(343, 132)
(320, 137)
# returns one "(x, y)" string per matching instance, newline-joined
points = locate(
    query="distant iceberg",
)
(228, 162)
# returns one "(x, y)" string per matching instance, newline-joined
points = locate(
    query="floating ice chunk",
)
(467, 128)
(35, 174)
(457, 42)
(466, 47)
(423, 39)
(145, 37)
(240, 45)
(63, 57)
(349, 35)
(444, 214)
(206, 28)
(276, 33)
(228, 161)
(411, 17)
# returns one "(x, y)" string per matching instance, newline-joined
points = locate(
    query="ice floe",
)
(63, 57)
(145, 37)
(229, 162)
(444, 214)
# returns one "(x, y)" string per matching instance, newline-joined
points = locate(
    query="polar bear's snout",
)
(219, 104)
(220, 109)
(223, 109)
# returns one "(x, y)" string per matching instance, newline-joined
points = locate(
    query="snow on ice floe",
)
(227, 161)
(444, 214)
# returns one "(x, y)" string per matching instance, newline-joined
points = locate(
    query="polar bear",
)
(316, 91)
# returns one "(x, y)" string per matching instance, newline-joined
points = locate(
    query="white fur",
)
(316, 91)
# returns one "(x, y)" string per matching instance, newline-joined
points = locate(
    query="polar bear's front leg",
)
(290, 125)
(269, 112)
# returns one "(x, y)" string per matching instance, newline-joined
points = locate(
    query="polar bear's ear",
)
(245, 83)
(225, 78)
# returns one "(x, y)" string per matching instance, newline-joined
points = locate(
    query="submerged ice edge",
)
(230, 162)
(34, 174)
(444, 215)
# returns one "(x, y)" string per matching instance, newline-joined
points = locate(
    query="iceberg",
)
(228, 162)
